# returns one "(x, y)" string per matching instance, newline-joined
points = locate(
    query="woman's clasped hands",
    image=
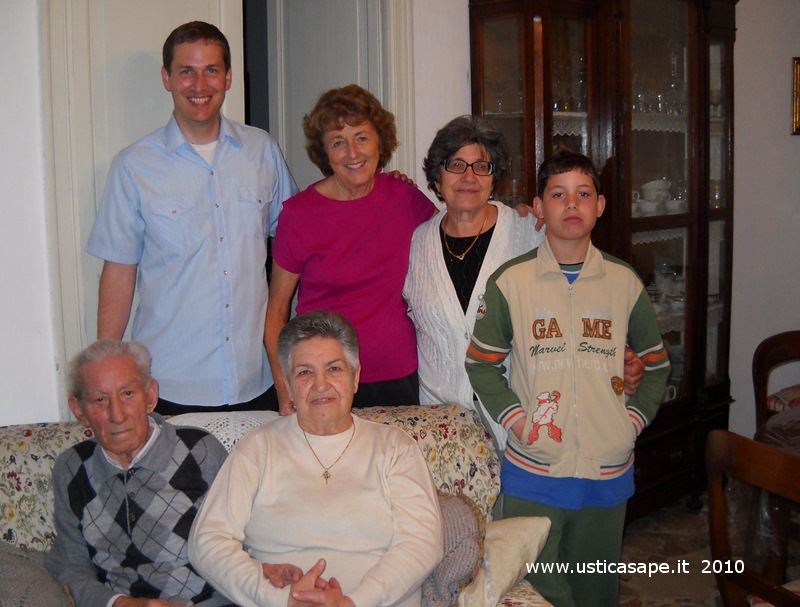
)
(307, 589)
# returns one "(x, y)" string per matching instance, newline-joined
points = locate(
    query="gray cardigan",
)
(125, 532)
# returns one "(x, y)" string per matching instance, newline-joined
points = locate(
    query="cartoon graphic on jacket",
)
(547, 405)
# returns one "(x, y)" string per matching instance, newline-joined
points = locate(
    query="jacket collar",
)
(592, 265)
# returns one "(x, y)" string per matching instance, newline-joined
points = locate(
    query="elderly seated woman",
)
(321, 490)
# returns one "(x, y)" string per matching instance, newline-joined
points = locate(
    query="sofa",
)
(459, 452)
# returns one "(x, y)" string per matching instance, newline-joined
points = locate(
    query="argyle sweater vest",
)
(136, 523)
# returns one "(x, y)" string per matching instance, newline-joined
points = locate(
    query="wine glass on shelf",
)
(715, 98)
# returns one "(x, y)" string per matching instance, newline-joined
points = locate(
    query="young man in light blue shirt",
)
(189, 209)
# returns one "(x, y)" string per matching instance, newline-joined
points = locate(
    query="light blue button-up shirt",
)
(199, 236)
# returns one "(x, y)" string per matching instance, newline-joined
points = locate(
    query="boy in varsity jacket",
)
(562, 314)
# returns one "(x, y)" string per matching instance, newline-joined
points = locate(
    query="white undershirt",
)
(206, 150)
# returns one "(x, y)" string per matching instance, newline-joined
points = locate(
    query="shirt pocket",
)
(174, 223)
(254, 203)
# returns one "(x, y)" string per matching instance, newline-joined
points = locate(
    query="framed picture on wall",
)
(796, 96)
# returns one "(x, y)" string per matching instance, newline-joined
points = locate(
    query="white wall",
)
(766, 283)
(28, 359)
(766, 245)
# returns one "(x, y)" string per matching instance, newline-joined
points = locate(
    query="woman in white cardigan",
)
(454, 253)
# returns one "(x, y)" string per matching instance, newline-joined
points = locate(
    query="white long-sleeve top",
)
(376, 521)
(443, 330)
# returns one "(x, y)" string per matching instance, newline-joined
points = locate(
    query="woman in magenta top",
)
(346, 241)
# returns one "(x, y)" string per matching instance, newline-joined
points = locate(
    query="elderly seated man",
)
(125, 500)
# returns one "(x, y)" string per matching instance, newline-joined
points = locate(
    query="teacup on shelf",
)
(650, 207)
(656, 195)
(658, 190)
(658, 183)
(675, 205)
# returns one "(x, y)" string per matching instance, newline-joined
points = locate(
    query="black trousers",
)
(402, 391)
(268, 401)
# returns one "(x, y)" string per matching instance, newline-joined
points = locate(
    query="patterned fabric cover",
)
(787, 398)
(27, 456)
(458, 449)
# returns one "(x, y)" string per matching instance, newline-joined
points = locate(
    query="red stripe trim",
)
(493, 358)
(654, 357)
(617, 470)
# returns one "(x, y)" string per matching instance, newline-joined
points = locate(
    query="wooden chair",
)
(731, 456)
(773, 352)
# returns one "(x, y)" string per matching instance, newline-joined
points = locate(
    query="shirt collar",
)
(155, 430)
(176, 139)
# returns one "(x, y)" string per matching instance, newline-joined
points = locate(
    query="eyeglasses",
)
(482, 168)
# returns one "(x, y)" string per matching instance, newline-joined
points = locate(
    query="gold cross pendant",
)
(326, 475)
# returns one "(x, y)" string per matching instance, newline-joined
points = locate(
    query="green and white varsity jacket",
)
(565, 344)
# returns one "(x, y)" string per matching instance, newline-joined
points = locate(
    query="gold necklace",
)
(326, 475)
(469, 248)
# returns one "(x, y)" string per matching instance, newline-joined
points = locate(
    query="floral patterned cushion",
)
(787, 398)
(458, 449)
(27, 455)
(524, 595)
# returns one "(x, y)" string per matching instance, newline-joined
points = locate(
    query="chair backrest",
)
(774, 351)
(733, 457)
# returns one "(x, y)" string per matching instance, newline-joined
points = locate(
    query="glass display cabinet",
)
(643, 87)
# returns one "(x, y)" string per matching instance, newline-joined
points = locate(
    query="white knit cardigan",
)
(443, 330)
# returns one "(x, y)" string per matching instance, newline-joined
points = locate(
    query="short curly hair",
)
(351, 105)
(317, 323)
(461, 131)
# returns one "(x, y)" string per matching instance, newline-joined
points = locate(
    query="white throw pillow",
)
(509, 544)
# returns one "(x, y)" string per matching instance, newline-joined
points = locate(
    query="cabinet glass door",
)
(660, 198)
(570, 90)
(503, 99)
(661, 259)
(659, 108)
(719, 211)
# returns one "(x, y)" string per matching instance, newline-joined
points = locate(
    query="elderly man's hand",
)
(282, 574)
